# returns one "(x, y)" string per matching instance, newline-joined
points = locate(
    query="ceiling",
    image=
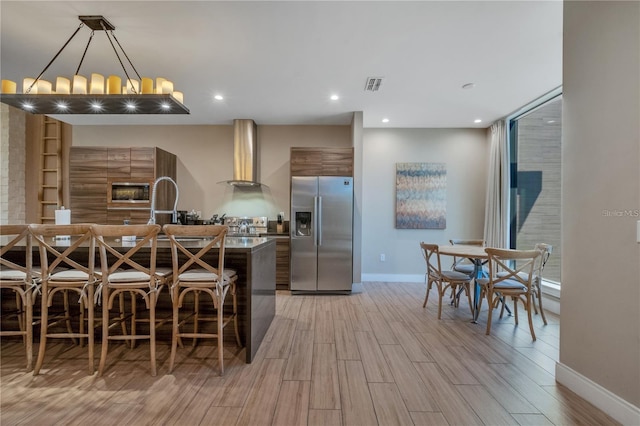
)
(279, 62)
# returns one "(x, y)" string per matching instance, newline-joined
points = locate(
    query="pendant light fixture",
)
(78, 95)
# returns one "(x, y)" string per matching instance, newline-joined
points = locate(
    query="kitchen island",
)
(254, 260)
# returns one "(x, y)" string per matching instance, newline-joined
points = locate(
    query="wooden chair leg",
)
(28, 308)
(220, 337)
(515, 309)
(426, 297)
(468, 289)
(235, 316)
(440, 294)
(44, 319)
(81, 325)
(90, 326)
(122, 313)
(105, 329)
(175, 332)
(134, 317)
(530, 318)
(152, 330)
(196, 315)
(67, 314)
(544, 319)
(490, 300)
(20, 310)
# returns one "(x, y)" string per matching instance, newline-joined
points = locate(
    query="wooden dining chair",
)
(462, 264)
(442, 279)
(17, 275)
(67, 267)
(129, 268)
(536, 283)
(201, 270)
(510, 276)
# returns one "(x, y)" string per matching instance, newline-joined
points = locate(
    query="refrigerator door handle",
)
(319, 220)
(315, 220)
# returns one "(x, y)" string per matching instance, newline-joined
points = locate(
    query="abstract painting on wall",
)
(421, 195)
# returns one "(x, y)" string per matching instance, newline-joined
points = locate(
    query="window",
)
(535, 150)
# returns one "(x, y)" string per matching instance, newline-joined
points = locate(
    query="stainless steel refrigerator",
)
(321, 230)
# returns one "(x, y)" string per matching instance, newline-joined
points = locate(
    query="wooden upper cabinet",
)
(119, 163)
(93, 170)
(321, 161)
(143, 163)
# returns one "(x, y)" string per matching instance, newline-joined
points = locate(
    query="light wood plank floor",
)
(374, 357)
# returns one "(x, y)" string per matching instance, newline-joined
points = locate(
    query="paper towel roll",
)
(63, 217)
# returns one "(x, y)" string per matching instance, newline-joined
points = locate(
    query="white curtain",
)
(496, 219)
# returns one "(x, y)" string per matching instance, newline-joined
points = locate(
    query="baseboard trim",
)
(616, 407)
(393, 278)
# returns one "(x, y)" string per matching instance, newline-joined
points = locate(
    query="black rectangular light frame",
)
(84, 104)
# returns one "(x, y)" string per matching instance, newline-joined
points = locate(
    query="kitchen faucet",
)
(154, 212)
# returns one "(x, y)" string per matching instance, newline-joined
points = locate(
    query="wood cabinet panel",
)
(282, 263)
(135, 217)
(143, 164)
(321, 161)
(119, 163)
(87, 163)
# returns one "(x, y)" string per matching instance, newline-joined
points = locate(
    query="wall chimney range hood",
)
(245, 154)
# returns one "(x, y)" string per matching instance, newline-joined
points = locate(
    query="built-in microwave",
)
(129, 192)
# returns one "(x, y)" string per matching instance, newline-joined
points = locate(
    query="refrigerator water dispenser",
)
(303, 224)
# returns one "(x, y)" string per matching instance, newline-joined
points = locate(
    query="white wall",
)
(465, 152)
(600, 327)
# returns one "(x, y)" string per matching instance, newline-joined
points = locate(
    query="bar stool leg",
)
(152, 329)
(220, 338)
(44, 314)
(174, 334)
(196, 315)
(105, 329)
(91, 325)
(29, 328)
(134, 318)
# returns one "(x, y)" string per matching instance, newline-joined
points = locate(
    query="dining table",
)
(478, 256)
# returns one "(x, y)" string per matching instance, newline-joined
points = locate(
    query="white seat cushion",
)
(12, 275)
(69, 275)
(204, 275)
(128, 276)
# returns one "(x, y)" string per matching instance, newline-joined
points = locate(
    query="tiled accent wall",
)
(12, 165)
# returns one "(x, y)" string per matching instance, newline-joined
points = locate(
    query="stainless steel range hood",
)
(245, 154)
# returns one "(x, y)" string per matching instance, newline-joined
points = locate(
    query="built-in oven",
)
(129, 193)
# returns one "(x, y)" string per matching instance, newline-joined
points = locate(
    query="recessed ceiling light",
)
(218, 97)
(335, 97)
(469, 86)
(385, 120)
(477, 120)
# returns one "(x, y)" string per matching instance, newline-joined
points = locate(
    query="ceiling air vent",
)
(373, 84)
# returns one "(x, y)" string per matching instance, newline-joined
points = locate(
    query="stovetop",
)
(246, 225)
